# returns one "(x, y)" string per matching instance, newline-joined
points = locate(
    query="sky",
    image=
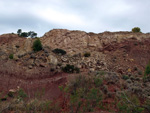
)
(86, 15)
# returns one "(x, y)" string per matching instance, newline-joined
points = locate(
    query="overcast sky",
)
(86, 15)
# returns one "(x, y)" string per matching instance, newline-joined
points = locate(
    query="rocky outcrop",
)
(73, 42)
(13, 44)
(107, 50)
(79, 41)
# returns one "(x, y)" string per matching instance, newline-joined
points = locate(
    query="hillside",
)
(115, 54)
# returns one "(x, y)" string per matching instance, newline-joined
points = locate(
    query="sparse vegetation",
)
(11, 56)
(37, 45)
(87, 54)
(84, 97)
(130, 104)
(147, 70)
(21, 94)
(125, 77)
(59, 51)
(24, 34)
(31, 34)
(70, 69)
(136, 30)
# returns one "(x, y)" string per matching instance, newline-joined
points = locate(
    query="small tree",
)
(24, 34)
(32, 34)
(136, 30)
(37, 46)
(19, 32)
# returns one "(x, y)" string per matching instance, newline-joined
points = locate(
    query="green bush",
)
(21, 94)
(83, 95)
(24, 34)
(59, 51)
(147, 70)
(70, 69)
(130, 104)
(37, 46)
(31, 34)
(11, 56)
(77, 70)
(136, 30)
(125, 77)
(87, 54)
(97, 81)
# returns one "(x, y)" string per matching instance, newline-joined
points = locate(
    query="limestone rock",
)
(52, 59)
(64, 58)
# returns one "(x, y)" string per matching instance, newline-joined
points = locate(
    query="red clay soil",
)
(127, 55)
(44, 85)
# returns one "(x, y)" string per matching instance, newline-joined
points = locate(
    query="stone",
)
(33, 56)
(12, 90)
(92, 69)
(79, 66)
(30, 67)
(42, 65)
(64, 59)
(52, 59)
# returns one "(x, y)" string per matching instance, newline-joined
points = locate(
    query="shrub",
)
(83, 95)
(70, 69)
(125, 77)
(21, 94)
(10, 94)
(87, 54)
(37, 46)
(11, 56)
(32, 34)
(136, 30)
(59, 51)
(77, 70)
(24, 34)
(147, 69)
(130, 104)
(98, 81)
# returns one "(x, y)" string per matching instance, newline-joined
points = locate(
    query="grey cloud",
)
(96, 15)
(25, 22)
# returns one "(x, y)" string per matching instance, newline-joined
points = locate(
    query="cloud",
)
(61, 18)
(87, 15)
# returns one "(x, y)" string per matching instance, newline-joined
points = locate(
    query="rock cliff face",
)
(79, 41)
(13, 44)
(71, 41)
(108, 50)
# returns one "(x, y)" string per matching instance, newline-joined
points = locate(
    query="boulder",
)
(52, 59)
